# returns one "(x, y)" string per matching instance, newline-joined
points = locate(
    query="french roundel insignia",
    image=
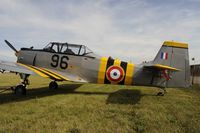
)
(115, 74)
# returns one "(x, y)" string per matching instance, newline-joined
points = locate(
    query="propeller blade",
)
(11, 46)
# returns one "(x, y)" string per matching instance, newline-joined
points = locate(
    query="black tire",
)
(20, 90)
(53, 85)
(160, 94)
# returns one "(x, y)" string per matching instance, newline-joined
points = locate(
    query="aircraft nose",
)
(16, 54)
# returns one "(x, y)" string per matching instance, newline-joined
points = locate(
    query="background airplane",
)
(77, 63)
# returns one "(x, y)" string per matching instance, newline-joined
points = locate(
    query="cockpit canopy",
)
(66, 48)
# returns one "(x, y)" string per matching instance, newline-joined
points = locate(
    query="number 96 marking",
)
(56, 60)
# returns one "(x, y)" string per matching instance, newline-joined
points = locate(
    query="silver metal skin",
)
(57, 62)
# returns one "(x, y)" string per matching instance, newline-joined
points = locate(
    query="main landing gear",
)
(53, 85)
(21, 88)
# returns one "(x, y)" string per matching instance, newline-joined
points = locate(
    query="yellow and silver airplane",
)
(77, 63)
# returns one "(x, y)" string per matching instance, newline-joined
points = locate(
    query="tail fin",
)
(175, 54)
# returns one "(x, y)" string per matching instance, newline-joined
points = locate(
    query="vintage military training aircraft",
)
(77, 63)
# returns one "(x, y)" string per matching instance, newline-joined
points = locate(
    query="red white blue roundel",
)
(115, 74)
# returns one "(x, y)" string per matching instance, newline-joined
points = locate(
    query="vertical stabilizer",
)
(175, 54)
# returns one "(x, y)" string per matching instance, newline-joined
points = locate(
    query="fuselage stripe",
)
(102, 70)
(36, 71)
(129, 74)
(36, 68)
(124, 66)
(58, 75)
(110, 63)
(48, 73)
(117, 62)
(106, 63)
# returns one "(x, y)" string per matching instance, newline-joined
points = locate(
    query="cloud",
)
(7, 56)
(129, 29)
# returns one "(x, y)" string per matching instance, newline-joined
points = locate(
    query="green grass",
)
(93, 108)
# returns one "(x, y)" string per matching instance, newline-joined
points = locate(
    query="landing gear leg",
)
(167, 77)
(21, 88)
(53, 85)
(162, 88)
(162, 92)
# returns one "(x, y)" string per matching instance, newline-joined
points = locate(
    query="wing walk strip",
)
(45, 72)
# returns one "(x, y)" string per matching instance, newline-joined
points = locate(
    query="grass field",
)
(97, 108)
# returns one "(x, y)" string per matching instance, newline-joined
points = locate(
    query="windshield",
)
(52, 47)
(72, 49)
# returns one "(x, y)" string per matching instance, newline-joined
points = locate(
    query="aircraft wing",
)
(161, 67)
(44, 72)
(14, 67)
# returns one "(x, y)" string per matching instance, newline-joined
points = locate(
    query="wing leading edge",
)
(14, 67)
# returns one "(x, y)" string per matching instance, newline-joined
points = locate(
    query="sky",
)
(131, 30)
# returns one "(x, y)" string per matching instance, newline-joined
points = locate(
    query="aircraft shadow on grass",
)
(123, 96)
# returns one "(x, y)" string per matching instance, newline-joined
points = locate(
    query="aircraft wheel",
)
(160, 94)
(20, 90)
(53, 85)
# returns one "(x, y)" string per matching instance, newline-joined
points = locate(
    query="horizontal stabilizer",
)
(161, 67)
